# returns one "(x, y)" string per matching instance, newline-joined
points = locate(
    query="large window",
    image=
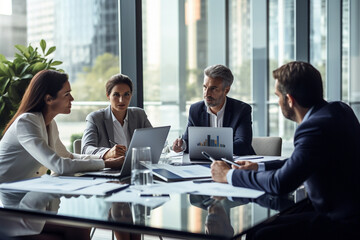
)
(179, 39)
(86, 36)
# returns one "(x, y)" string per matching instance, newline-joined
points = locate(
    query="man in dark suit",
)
(326, 159)
(218, 110)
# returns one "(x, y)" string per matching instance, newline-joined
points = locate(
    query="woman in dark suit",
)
(109, 131)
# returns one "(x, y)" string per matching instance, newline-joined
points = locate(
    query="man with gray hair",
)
(218, 110)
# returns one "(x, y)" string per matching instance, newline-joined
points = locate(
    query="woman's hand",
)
(178, 145)
(115, 152)
(114, 162)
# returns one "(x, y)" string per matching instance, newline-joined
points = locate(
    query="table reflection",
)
(183, 213)
(27, 201)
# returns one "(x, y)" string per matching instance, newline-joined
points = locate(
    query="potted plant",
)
(15, 76)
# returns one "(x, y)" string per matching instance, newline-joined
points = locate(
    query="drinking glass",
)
(141, 170)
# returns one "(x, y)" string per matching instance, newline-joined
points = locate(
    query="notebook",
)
(218, 142)
(143, 137)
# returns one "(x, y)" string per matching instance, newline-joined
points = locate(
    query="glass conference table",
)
(183, 216)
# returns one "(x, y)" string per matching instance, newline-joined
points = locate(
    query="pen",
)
(230, 162)
(205, 154)
(250, 158)
(154, 195)
(112, 142)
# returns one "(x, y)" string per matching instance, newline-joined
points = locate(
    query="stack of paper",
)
(65, 185)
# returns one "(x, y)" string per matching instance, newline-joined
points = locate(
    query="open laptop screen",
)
(218, 142)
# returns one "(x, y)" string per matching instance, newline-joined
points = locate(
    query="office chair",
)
(77, 146)
(267, 146)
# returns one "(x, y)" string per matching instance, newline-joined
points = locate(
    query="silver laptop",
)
(218, 142)
(143, 137)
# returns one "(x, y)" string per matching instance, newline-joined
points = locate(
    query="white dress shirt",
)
(121, 133)
(216, 120)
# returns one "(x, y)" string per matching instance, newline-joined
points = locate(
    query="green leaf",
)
(43, 45)
(4, 70)
(18, 56)
(26, 66)
(2, 58)
(31, 49)
(37, 67)
(5, 81)
(19, 66)
(27, 76)
(55, 63)
(23, 50)
(12, 72)
(51, 50)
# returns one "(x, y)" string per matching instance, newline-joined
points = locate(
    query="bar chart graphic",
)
(210, 142)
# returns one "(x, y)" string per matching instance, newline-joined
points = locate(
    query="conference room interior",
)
(164, 46)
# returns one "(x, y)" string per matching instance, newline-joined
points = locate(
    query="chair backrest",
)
(77, 146)
(267, 146)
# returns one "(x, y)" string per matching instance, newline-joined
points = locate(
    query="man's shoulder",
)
(234, 103)
(197, 106)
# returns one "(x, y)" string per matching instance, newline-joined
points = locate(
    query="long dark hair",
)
(43, 83)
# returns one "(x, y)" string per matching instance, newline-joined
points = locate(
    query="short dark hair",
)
(118, 79)
(302, 81)
(220, 72)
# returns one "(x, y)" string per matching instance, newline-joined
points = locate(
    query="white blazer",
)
(27, 147)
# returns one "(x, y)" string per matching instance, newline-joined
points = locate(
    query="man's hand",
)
(178, 145)
(219, 169)
(114, 162)
(115, 152)
(246, 165)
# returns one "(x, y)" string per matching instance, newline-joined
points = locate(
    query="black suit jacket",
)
(326, 158)
(237, 115)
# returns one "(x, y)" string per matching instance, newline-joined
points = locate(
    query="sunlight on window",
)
(5, 7)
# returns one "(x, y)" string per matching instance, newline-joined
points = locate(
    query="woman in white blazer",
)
(31, 144)
(109, 131)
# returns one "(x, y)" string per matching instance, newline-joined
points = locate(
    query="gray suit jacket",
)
(99, 129)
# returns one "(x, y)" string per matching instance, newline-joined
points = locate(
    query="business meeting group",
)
(325, 162)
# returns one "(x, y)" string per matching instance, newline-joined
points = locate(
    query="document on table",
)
(65, 185)
(188, 171)
(199, 187)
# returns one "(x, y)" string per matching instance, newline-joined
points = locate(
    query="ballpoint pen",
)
(112, 142)
(205, 154)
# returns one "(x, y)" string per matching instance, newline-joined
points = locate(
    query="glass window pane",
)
(175, 53)
(85, 33)
(281, 51)
(318, 37)
(345, 50)
(240, 49)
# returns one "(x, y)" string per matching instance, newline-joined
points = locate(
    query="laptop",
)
(143, 137)
(218, 142)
